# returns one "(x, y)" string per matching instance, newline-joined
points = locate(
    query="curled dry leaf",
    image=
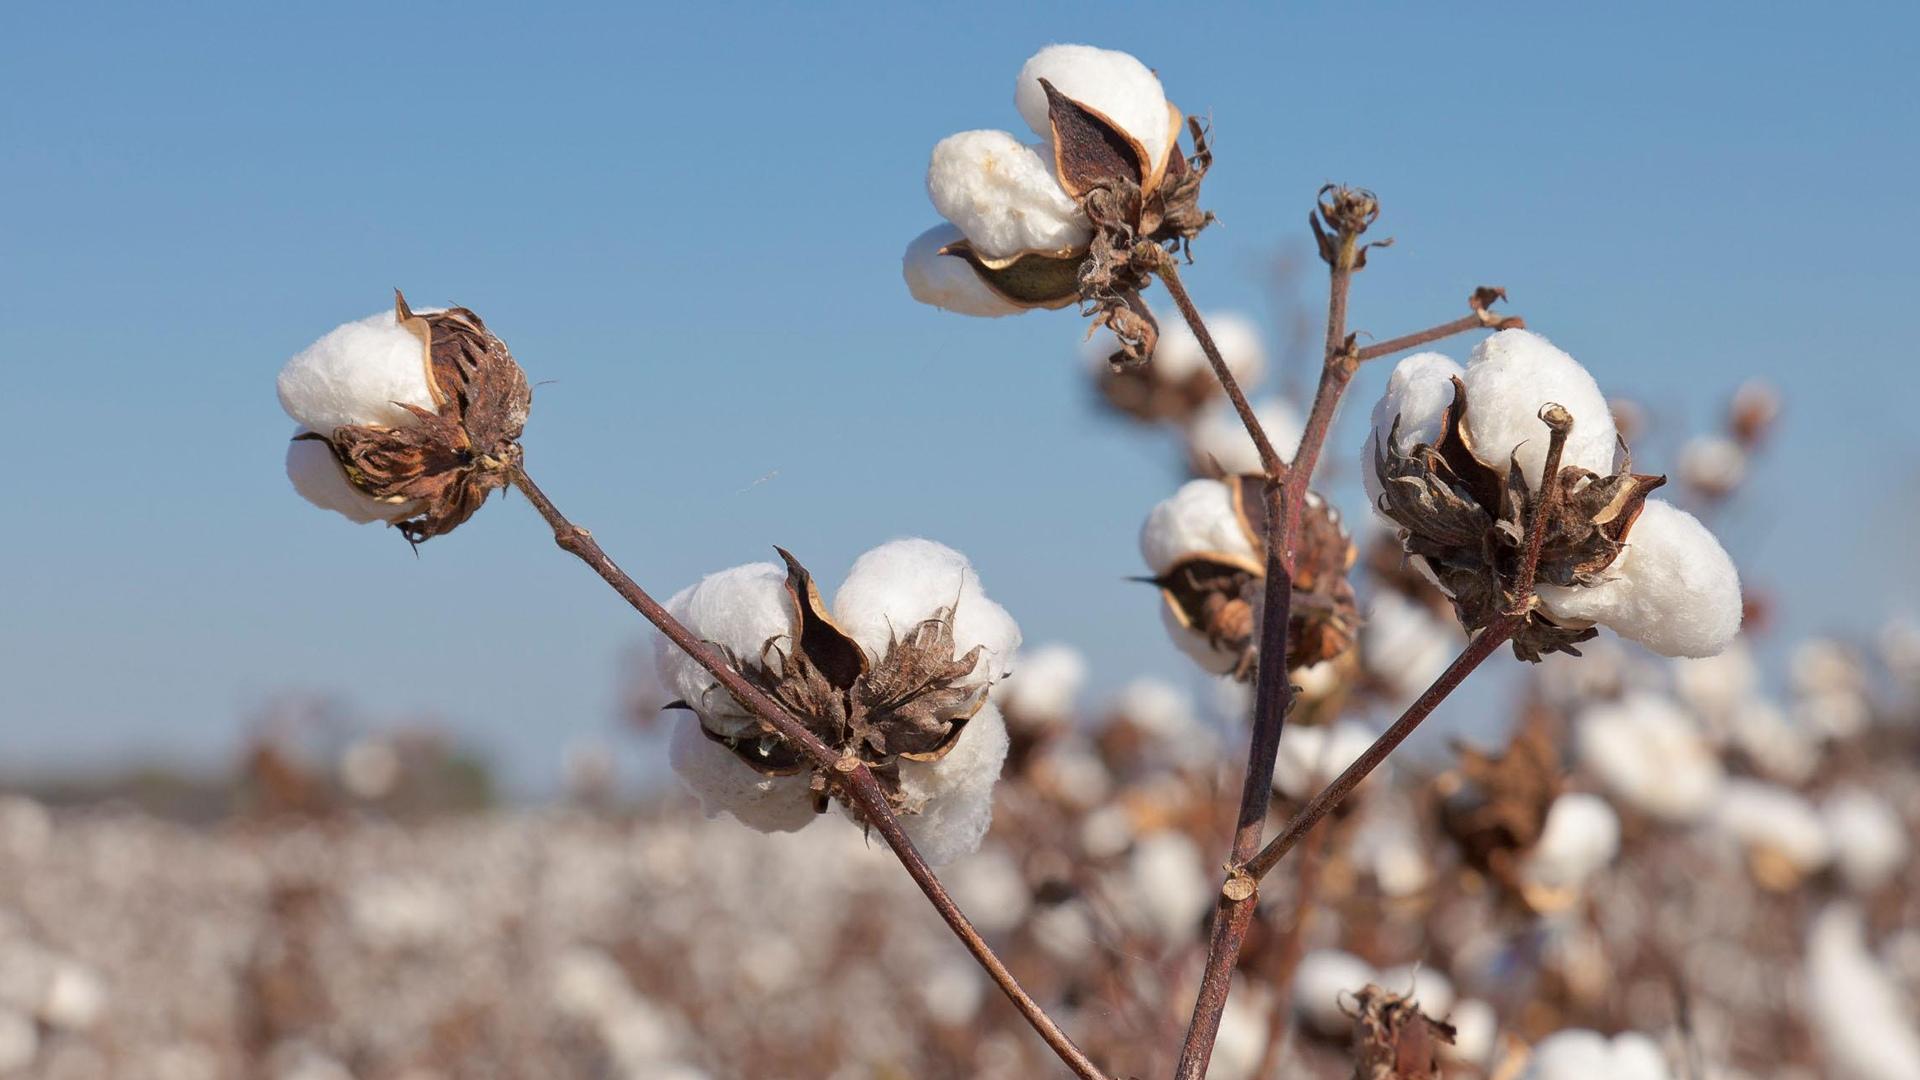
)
(1495, 807)
(451, 458)
(1394, 1040)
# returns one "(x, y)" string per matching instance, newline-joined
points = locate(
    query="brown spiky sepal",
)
(1495, 806)
(1470, 525)
(1394, 1040)
(450, 458)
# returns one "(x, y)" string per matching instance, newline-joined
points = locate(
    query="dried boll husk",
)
(1212, 576)
(1468, 522)
(446, 460)
(1394, 1040)
(1495, 809)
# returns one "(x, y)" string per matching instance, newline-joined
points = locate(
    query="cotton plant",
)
(1179, 386)
(1051, 223)
(1580, 1054)
(1218, 443)
(1473, 463)
(1864, 1026)
(897, 673)
(1651, 756)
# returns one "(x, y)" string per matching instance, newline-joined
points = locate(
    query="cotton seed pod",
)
(1179, 384)
(1495, 807)
(897, 674)
(1206, 548)
(422, 411)
(1395, 1039)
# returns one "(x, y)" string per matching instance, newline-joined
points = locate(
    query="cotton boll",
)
(725, 784)
(1065, 931)
(1218, 437)
(1713, 464)
(740, 609)
(1581, 835)
(949, 281)
(991, 889)
(1426, 987)
(1310, 757)
(953, 991)
(359, 373)
(1864, 1027)
(75, 997)
(1820, 666)
(901, 583)
(1198, 517)
(1834, 714)
(1404, 647)
(1244, 1028)
(1324, 984)
(1002, 194)
(1114, 84)
(1771, 820)
(1043, 684)
(1868, 839)
(1673, 589)
(1475, 1027)
(317, 476)
(1578, 1054)
(955, 792)
(1178, 355)
(1779, 745)
(1509, 378)
(1195, 646)
(1650, 756)
(1418, 392)
(1714, 686)
(1166, 714)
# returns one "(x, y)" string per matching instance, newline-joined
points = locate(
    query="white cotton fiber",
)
(1114, 84)
(1510, 376)
(1674, 589)
(1167, 881)
(1159, 709)
(1198, 517)
(949, 281)
(1195, 645)
(892, 588)
(1475, 1027)
(1778, 819)
(1310, 757)
(1044, 683)
(1868, 839)
(1178, 355)
(1002, 194)
(1218, 436)
(1649, 755)
(1418, 393)
(1404, 646)
(725, 784)
(356, 374)
(956, 791)
(1582, 835)
(740, 609)
(1579, 1054)
(1324, 984)
(1865, 1028)
(317, 476)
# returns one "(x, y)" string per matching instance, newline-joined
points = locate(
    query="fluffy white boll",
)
(1650, 756)
(724, 784)
(1218, 435)
(1865, 1027)
(1198, 517)
(1581, 836)
(1167, 879)
(1044, 683)
(1418, 392)
(1160, 709)
(955, 792)
(1713, 463)
(1178, 355)
(990, 887)
(1475, 1027)
(1869, 841)
(359, 373)
(948, 281)
(1404, 646)
(1324, 984)
(1579, 1054)
(1779, 744)
(1673, 589)
(1510, 376)
(1310, 757)
(1114, 84)
(899, 584)
(1778, 819)
(740, 609)
(1002, 194)
(317, 476)
(1715, 686)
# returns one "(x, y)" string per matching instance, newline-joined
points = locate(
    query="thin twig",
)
(1164, 265)
(1482, 318)
(1291, 948)
(854, 778)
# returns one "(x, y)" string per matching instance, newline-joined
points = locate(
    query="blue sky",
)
(687, 223)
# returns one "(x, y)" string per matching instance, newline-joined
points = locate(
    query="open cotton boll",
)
(948, 281)
(902, 583)
(1868, 839)
(1714, 464)
(1714, 686)
(1865, 1028)
(1423, 985)
(725, 784)
(1194, 645)
(1324, 984)
(1475, 1027)
(956, 792)
(1673, 589)
(1242, 1042)
(1579, 1054)
(1167, 880)
(317, 476)
(1043, 684)
(1510, 376)
(359, 373)
(1114, 84)
(1781, 746)
(1178, 355)
(1418, 392)
(1198, 517)
(1767, 817)
(991, 889)
(1002, 194)
(1650, 756)
(1218, 436)
(1404, 646)
(740, 609)
(1581, 835)
(1311, 756)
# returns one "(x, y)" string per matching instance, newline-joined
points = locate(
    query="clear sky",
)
(687, 222)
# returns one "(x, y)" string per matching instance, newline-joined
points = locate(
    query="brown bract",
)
(452, 457)
(1218, 593)
(1394, 1040)
(1495, 807)
(1471, 525)
(909, 705)
(1129, 197)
